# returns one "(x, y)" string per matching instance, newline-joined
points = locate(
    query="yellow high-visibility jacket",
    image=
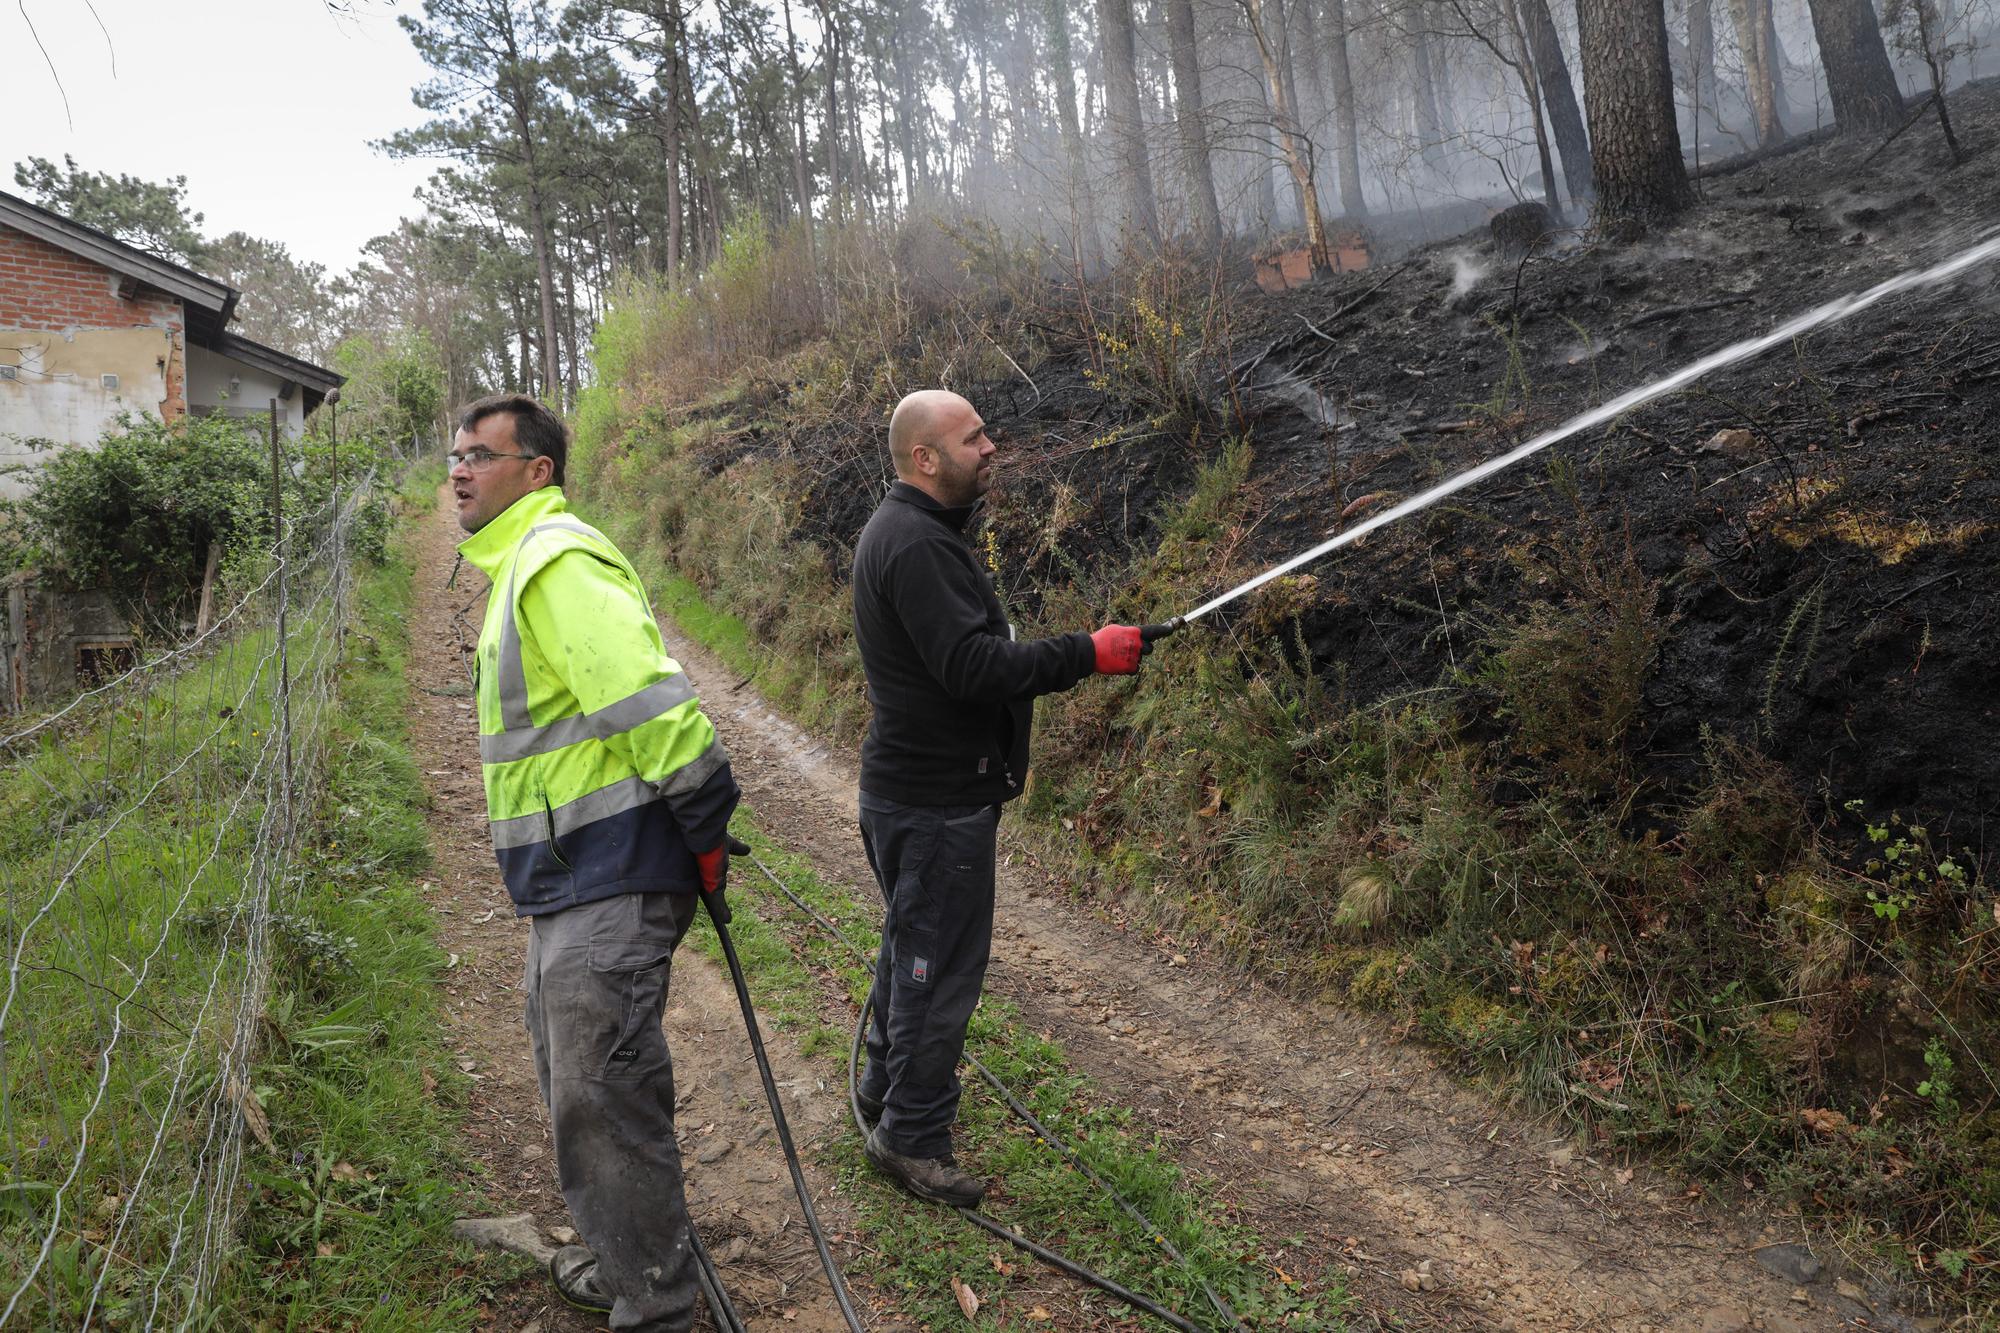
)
(602, 774)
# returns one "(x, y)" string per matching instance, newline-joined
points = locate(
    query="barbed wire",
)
(148, 828)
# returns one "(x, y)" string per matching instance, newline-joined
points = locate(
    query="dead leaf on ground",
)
(345, 1172)
(252, 1111)
(968, 1302)
(1001, 1266)
(1600, 1073)
(1822, 1121)
(1040, 1315)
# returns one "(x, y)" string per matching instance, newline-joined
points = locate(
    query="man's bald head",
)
(917, 420)
(938, 444)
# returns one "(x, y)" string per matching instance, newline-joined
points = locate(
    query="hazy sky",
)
(266, 106)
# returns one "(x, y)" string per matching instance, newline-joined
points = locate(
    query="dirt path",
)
(738, 1189)
(1320, 1123)
(1312, 1121)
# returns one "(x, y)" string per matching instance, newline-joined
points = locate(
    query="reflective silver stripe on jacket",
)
(689, 776)
(606, 722)
(539, 826)
(513, 676)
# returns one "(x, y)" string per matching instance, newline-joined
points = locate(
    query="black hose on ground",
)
(1229, 1316)
(710, 1280)
(721, 922)
(981, 1220)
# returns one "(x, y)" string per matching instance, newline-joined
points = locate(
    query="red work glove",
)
(714, 867)
(1119, 648)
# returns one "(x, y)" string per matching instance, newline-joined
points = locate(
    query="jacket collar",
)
(955, 517)
(489, 547)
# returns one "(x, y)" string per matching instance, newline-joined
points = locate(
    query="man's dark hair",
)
(538, 431)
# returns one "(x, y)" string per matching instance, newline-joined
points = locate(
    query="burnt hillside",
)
(1819, 521)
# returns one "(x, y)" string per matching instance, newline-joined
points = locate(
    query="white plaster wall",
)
(208, 376)
(57, 394)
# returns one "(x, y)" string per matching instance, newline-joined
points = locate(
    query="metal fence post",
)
(284, 662)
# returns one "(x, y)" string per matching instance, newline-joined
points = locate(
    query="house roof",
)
(209, 304)
(285, 366)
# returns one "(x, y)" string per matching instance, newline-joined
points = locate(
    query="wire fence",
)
(149, 833)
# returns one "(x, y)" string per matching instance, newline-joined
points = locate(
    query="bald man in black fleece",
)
(953, 698)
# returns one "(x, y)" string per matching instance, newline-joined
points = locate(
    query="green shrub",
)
(137, 513)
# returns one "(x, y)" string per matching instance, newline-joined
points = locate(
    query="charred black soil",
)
(1821, 519)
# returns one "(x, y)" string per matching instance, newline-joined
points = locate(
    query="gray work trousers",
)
(935, 866)
(596, 980)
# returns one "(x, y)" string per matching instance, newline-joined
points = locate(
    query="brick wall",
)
(43, 286)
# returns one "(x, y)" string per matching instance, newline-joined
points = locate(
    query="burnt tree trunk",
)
(1859, 81)
(1635, 146)
(1127, 124)
(1559, 94)
(1206, 213)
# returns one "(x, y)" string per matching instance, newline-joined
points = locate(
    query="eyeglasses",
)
(478, 459)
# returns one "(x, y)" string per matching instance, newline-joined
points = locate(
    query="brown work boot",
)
(936, 1179)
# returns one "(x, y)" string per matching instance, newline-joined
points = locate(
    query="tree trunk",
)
(1565, 116)
(1927, 27)
(1083, 217)
(1265, 190)
(1430, 129)
(1859, 81)
(801, 170)
(1290, 141)
(538, 226)
(1128, 130)
(1525, 67)
(1748, 18)
(1353, 202)
(1449, 118)
(671, 132)
(571, 371)
(1629, 95)
(830, 128)
(1701, 57)
(545, 280)
(1207, 213)
(1279, 34)
(1774, 60)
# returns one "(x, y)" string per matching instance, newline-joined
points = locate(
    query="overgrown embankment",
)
(1647, 781)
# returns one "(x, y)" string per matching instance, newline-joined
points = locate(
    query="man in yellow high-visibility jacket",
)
(609, 797)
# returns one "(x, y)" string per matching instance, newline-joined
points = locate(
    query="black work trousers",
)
(597, 985)
(935, 868)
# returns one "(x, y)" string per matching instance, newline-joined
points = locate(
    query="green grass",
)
(142, 822)
(727, 637)
(807, 985)
(350, 1220)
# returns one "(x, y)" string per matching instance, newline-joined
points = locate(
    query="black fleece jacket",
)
(952, 691)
